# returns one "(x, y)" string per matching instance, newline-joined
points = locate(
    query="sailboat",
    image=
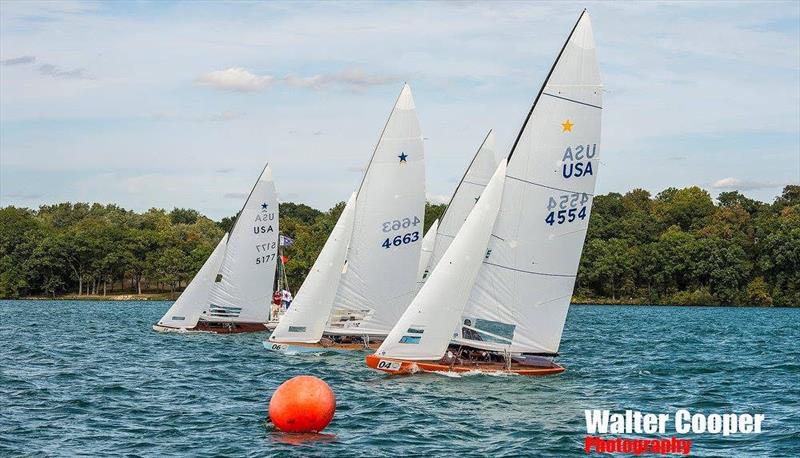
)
(498, 299)
(231, 292)
(466, 195)
(365, 275)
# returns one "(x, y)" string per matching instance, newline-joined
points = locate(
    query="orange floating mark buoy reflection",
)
(302, 404)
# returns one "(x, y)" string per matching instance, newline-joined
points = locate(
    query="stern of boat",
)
(391, 366)
(275, 346)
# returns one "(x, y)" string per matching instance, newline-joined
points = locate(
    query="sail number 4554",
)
(398, 240)
(566, 208)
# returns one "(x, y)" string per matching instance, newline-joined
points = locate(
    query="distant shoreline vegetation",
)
(677, 248)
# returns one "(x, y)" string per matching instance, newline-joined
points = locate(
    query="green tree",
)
(686, 208)
(183, 216)
(432, 213)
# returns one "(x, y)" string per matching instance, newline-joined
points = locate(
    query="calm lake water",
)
(91, 378)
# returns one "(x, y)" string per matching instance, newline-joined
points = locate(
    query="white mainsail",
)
(465, 197)
(193, 301)
(426, 327)
(305, 320)
(428, 243)
(522, 293)
(383, 255)
(243, 286)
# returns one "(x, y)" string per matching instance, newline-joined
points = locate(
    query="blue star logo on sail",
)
(402, 157)
(264, 206)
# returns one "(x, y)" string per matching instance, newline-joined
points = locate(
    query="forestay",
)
(522, 293)
(426, 327)
(467, 193)
(305, 320)
(243, 285)
(193, 301)
(384, 250)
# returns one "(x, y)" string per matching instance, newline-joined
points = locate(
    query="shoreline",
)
(108, 297)
(597, 301)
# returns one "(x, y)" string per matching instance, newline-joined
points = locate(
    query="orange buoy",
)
(302, 404)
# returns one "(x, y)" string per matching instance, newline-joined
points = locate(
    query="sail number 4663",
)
(398, 240)
(397, 224)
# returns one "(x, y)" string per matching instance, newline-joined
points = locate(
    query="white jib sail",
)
(305, 320)
(193, 301)
(383, 256)
(426, 327)
(427, 250)
(522, 294)
(243, 286)
(467, 193)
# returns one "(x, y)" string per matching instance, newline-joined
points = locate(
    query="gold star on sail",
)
(567, 126)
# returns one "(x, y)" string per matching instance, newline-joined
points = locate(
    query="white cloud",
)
(743, 185)
(239, 79)
(354, 78)
(25, 195)
(226, 115)
(235, 79)
(313, 82)
(18, 60)
(57, 72)
(235, 195)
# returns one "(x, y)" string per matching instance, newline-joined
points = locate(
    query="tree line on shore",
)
(678, 247)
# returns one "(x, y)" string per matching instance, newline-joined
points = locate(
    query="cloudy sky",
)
(170, 104)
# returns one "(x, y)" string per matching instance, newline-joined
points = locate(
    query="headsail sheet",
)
(384, 250)
(243, 285)
(193, 301)
(426, 327)
(428, 243)
(305, 320)
(523, 291)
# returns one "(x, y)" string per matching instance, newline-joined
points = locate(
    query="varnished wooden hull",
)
(401, 366)
(302, 347)
(216, 328)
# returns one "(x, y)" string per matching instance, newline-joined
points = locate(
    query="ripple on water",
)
(92, 378)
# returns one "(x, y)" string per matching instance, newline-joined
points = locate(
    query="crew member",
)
(276, 304)
(286, 297)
